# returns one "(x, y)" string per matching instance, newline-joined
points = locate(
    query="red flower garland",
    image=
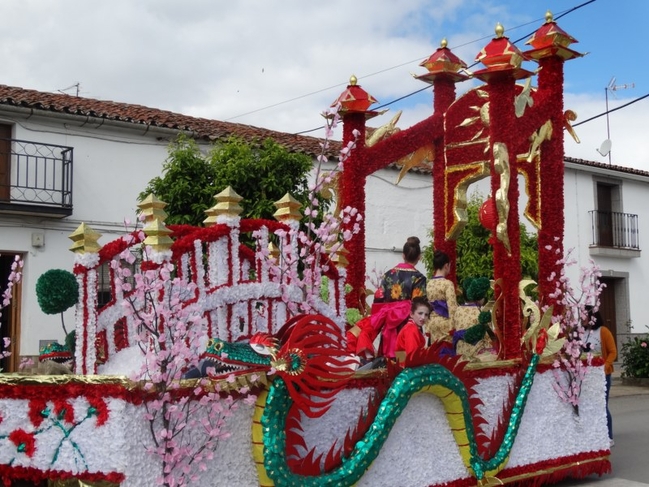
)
(29, 474)
(188, 234)
(112, 249)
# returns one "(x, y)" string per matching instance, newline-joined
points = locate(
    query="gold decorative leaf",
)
(468, 121)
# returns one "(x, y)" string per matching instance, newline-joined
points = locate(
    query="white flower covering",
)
(218, 262)
(158, 257)
(235, 265)
(420, 444)
(126, 362)
(199, 278)
(79, 323)
(91, 323)
(87, 259)
(324, 309)
(263, 244)
(86, 332)
(184, 265)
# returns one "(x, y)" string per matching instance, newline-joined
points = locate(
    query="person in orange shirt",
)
(599, 340)
(411, 335)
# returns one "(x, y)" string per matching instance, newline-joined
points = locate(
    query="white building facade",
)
(67, 160)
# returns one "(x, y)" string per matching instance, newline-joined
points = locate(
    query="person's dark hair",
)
(595, 319)
(440, 259)
(411, 250)
(418, 301)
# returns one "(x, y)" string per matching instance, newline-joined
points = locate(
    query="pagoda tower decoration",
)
(497, 130)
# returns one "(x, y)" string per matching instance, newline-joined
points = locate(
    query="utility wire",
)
(611, 111)
(562, 14)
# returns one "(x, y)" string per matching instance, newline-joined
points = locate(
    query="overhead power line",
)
(611, 111)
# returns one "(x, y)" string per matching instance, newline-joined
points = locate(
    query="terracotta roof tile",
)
(600, 165)
(141, 115)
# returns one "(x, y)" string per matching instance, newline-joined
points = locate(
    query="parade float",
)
(278, 400)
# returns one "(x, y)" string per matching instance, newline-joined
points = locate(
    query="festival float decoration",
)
(269, 344)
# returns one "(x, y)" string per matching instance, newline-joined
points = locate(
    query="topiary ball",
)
(57, 290)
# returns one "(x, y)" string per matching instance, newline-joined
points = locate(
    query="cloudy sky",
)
(279, 64)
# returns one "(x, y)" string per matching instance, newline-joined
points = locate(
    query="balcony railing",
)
(35, 178)
(614, 229)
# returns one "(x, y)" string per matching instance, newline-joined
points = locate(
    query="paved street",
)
(630, 409)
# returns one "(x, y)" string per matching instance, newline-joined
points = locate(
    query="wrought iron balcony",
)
(615, 230)
(35, 178)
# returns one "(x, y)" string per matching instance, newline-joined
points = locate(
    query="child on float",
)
(411, 336)
(441, 294)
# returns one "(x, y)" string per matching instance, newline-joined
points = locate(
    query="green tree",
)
(475, 255)
(186, 184)
(261, 172)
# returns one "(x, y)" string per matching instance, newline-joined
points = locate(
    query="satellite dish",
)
(605, 148)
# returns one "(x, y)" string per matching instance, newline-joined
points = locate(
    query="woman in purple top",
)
(441, 294)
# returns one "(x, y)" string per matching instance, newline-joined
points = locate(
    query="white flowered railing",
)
(240, 291)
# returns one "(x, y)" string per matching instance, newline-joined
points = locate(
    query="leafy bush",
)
(261, 172)
(635, 358)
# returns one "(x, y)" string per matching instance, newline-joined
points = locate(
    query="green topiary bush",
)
(56, 290)
(635, 358)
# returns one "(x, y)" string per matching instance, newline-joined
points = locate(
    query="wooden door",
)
(5, 162)
(607, 305)
(604, 215)
(10, 318)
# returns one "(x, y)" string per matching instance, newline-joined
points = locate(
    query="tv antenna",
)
(77, 85)
(605, 148)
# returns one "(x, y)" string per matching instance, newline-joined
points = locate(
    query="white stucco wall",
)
(632, 271)
(394, 213)
(111, 166)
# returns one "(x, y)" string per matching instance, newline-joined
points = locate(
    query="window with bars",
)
(104, 277)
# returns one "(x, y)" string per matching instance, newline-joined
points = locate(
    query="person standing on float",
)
(443, 300)
(391, 306)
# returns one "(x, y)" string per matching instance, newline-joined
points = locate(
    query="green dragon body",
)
(310, 370)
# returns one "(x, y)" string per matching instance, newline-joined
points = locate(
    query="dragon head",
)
(241, 358)
(308, 354)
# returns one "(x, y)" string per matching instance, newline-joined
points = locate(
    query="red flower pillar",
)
(502, 60)
(444, 95)
(353, 106)
(444, 70)
(353, 194)
(551, 233)
(507, 262)
(549, 45)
